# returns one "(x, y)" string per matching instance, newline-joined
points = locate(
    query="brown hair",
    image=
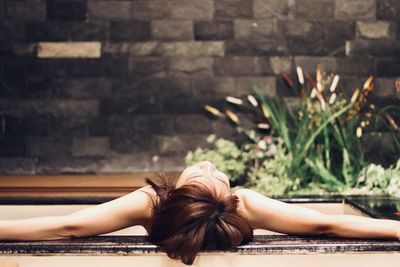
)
(192, 218)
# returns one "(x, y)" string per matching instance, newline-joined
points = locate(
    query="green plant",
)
(225, 154)
(316, 143)
(376, 180)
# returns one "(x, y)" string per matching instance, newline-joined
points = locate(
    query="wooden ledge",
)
(79, 185)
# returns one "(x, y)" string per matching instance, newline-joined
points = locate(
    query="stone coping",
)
(137, 245)
(378, 207)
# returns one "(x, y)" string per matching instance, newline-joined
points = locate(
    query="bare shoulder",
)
(244, 194)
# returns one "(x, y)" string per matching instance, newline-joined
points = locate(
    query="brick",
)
(379, 148)
(71, 126)
(48, 147)
(166, 163)
(69, 50)
(147, 65)
(309, 64)
(20, 127)
(151, 125)
(388, 9)
(273, 9)
(239, 65)
(130, 31)
(18, 166)
(12, 147)
(192, 65)
(25, 49)
(355, 10)
(192, 9)
(233, 9)
(245, 85)
(295, 27)
(11, 31)
(133, 105)
(76, 68)
(254, 29)
(50, 107)
(186, 105)
(388, 67)
(178, 30)
(192, 49)
(314, 9)
(389, 48)
(324, 37)
(85, 88)
(375, 29)
(348, 83)
(124, 144)
(175, 85)
(32, 10)
(355, 66)
(109, 10)
(132, 86)
(272, 46)
(213, 30)
(180, 143)
(66, 31)
(66, 165)
(205, 85)
(281, 65)
(134, 49)
(126, 163)
(385, 87)
(66, 10)
(151, 10)
(223, 85)
(191, 124)
(2, 15)
(94, 146)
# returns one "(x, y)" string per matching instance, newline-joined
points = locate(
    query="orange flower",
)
(355, 96)
(392, 122)
(213, 110)
(232, 116)
(368, 83)
(234, 100)
(265, 110)
(252, 100)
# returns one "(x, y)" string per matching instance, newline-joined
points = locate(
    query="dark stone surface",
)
(66, 10)
(27, 10)
(388, 10)
(378, 48)
(12, 147)
(130, 31)
(314, 9)
(167, 59)
(213, 30)
(134, 245)
(233, 9)
(66, 31)
(388, 67)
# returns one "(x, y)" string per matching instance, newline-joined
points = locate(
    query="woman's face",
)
(204, 172)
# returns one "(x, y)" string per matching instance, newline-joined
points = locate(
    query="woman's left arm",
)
(274, 215)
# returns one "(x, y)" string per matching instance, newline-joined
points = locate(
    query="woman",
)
(198, 212)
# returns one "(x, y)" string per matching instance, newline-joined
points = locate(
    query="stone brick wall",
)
(118, 86)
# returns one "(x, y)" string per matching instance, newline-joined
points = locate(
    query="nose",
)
(207, 165)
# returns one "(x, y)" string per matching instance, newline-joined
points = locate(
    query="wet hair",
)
(192, 218)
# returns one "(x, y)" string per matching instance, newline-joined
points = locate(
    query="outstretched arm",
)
(270, 214)
(131, 209)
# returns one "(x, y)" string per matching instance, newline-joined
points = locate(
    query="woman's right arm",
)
(131, 209)
(274, 215)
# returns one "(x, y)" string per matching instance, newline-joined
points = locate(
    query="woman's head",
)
(198, 213)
